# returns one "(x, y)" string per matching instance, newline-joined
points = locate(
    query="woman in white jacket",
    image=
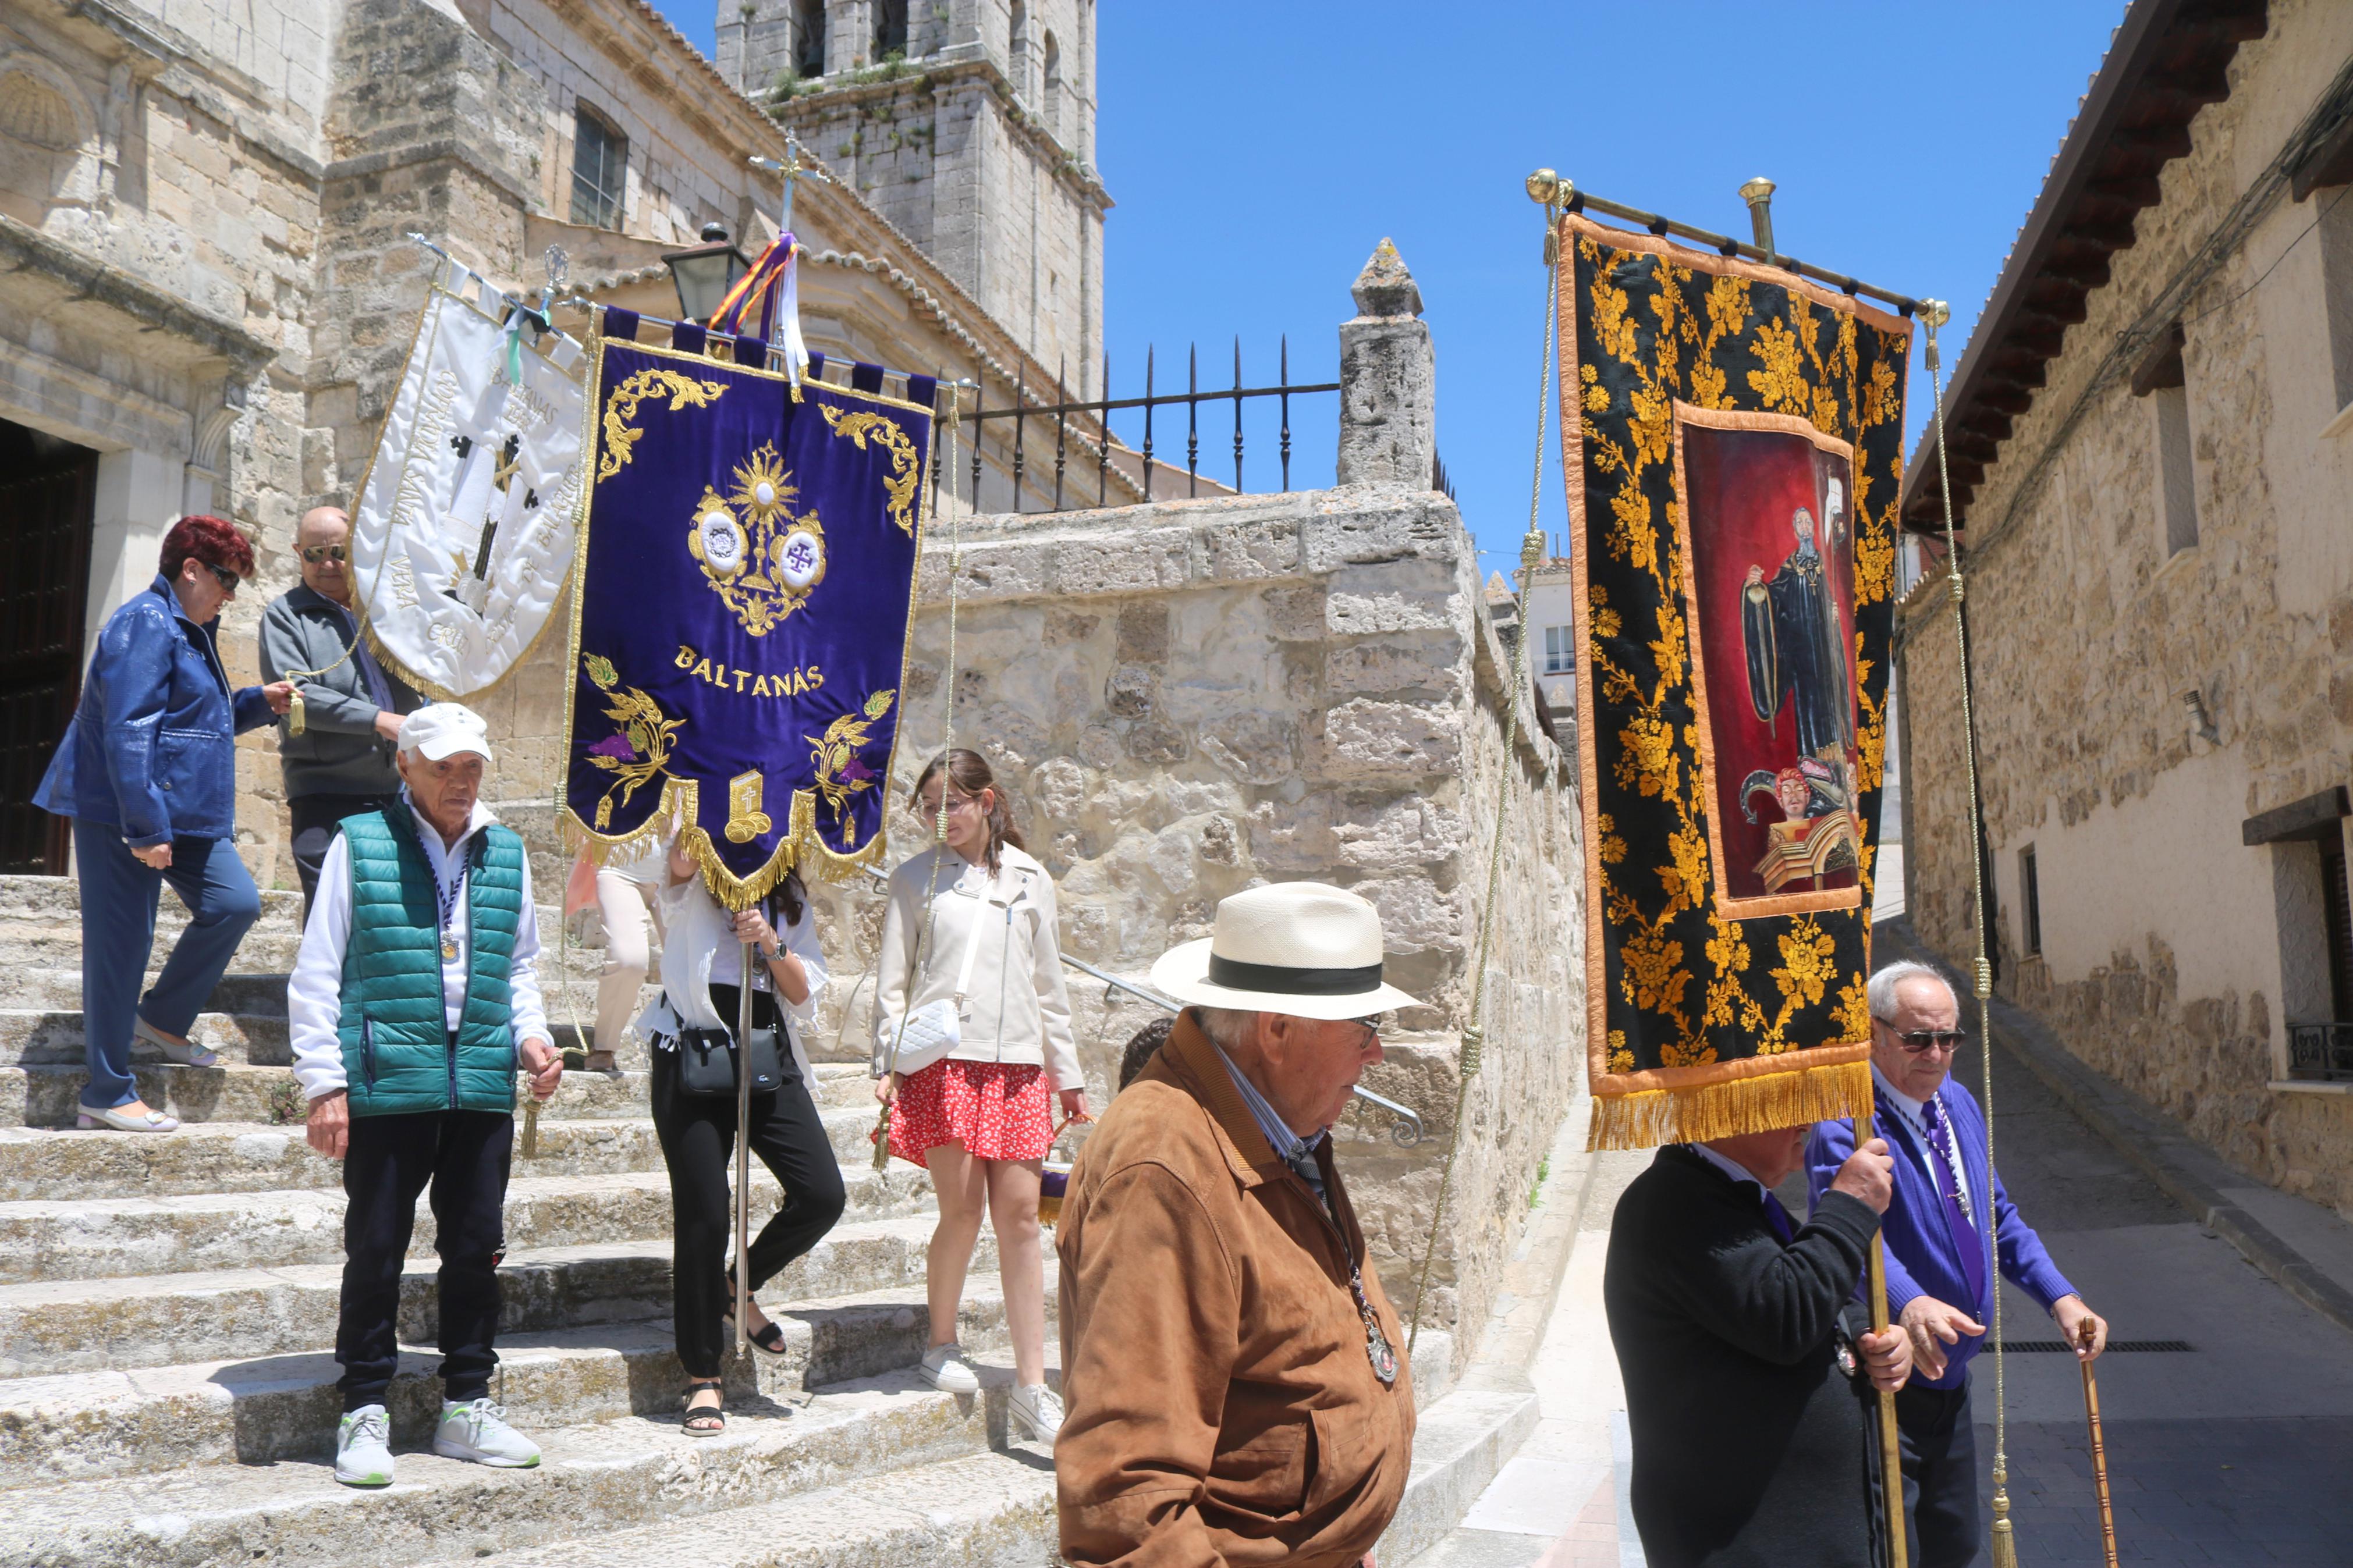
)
(980, 1119)
(701, 968)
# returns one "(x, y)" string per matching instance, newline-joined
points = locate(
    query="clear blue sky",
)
(1259, 151)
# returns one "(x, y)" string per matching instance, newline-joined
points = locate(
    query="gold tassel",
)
(2005, 1548)
(530, 1128)
(1730, 1107)
(296, 719)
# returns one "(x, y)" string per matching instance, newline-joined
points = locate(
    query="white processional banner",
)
(463, 534)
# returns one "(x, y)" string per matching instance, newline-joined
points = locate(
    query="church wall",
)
(2173, 956)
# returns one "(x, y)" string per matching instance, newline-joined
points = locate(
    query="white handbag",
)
(928, 1032)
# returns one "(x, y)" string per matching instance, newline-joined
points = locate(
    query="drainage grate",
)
(2061, 1347)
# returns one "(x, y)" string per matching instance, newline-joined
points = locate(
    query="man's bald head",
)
(323, 527)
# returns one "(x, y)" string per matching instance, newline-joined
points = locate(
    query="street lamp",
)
(704, 273)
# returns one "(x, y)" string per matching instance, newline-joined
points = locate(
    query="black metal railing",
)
(1059, 413)
(2320, 1053)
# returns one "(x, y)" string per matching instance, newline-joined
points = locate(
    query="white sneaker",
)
(944, 1368)
(478, 1431)
(363, 1447)
(1040, 1409)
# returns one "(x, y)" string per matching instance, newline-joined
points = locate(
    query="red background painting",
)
(1741, 487)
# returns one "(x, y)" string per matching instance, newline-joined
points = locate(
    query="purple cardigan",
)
(1921, 1257)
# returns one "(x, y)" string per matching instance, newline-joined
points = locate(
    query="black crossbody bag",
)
(706, 1062)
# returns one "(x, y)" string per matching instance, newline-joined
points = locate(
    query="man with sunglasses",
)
(342, 763)
(1939, 1285)
(1234, 1377)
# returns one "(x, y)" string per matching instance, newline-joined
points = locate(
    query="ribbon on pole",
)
(772, 287)
(462, 535)
(744, 588)
(1732, 439)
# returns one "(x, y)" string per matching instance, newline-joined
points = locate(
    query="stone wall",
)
(2172, 954)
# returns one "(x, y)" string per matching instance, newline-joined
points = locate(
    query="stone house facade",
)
(2152, 471)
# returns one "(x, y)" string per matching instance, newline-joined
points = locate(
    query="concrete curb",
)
(2182, 1169)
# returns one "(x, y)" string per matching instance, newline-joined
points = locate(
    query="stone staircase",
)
(167, 1313)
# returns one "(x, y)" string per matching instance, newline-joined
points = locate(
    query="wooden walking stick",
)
(1891, 1459)
(2099, 1452)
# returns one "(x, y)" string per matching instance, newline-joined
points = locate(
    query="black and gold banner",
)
(1733, 442)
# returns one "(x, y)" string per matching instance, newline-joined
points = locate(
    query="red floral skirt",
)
(995, 1111)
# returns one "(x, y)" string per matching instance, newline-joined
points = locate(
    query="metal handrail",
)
(1405, 1131)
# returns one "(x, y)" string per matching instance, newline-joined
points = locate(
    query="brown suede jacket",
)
(1221, 1408)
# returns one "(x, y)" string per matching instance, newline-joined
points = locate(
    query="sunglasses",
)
(227, 579)
(1919, 1040)
(315, 553)
(1371, 1026)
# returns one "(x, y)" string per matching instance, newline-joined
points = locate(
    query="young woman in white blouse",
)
(700, 967)
(979, 1119)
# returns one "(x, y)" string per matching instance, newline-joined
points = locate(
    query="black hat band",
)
(1282, 980)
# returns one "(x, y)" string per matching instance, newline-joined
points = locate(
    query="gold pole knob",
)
(1544, 187)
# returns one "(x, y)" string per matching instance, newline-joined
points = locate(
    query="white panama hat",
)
(441, 730)
(1300, 947)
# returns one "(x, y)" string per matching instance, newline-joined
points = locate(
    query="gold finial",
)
(1545, 188)
(1758, 194)
(1935, 312)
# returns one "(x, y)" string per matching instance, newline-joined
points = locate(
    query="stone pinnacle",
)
(1385, 287)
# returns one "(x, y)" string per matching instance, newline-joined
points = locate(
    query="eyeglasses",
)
(1371, 1026)
(1919, 1040)
(956, 803)
(227, 579)
(315, 553)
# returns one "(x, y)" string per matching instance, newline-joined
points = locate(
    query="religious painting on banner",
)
(1733, 443)
(746, 583)
(462, 536)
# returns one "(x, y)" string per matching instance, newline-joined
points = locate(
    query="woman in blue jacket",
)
(148, 772)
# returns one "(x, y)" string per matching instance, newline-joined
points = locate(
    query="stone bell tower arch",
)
(970, 125)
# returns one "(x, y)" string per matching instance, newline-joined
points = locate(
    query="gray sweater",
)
(339, 752)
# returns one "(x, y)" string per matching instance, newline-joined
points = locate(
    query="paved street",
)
(2236, 1451)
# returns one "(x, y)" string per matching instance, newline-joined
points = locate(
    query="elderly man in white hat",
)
(1234, 1377)
(413, 1001)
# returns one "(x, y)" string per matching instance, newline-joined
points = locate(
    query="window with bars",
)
(1560, 650)
(2336, 917)
(600, 162)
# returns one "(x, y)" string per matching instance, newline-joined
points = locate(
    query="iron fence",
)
(2321, 1052)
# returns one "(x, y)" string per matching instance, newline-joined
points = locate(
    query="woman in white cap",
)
(971, 972)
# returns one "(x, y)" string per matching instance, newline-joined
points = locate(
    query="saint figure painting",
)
(1769, 570)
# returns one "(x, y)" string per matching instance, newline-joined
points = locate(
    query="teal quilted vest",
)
(397, 1057)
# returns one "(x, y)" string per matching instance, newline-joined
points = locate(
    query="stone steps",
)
(54, 1327)
(217, 1157)
(105, 1237)
(79, 1427)
(982, 1510)
(596, 1478)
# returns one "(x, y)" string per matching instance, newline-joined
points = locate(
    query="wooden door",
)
(44, 534)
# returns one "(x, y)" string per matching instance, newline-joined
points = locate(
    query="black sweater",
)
(1751, 1446)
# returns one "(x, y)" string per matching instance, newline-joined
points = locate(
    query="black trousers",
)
(1939, 1447)
(463, 1156)
(315, 816)
(698, 1142)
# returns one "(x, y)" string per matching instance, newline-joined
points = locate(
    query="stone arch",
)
(1017, 49)
(1053, 54)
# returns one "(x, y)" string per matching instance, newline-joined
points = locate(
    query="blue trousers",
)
(118, 930)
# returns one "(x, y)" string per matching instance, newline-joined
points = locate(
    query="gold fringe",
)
(802, 847)
(1729, 1109)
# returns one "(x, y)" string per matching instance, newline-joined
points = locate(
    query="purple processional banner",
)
(746, 570)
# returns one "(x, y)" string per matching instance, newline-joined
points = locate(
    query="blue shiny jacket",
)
(152, 746)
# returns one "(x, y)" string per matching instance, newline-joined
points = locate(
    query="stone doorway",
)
(47, 489)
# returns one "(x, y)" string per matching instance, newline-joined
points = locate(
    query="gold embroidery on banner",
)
(761, 560)
(745, 820)
(905, 466)
(839, 772)
(640, 748)
(620, 438)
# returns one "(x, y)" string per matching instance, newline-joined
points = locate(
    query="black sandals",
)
(704, 1420)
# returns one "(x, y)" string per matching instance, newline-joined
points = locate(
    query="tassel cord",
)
(2004, 1544)
(1515, 688)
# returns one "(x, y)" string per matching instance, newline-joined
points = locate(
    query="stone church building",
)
(2151, 445)
(207, 289)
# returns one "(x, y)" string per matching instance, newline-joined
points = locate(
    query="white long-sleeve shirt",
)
(699, 946)
(315, 992)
